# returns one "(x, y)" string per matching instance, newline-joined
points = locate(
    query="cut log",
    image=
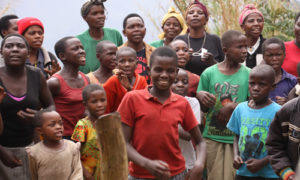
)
(113, 155)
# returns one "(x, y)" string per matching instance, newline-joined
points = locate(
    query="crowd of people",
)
(192, 105)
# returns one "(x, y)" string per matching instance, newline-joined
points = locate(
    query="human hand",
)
(281, 100)
(2, 93)
(195, 173)
(158, 168)
(206, 98)
(123, 79)
(237, 162)
(207, 56)
(225, 113)
(27, 115)
(55, 67)
(254, 165)
(9, 159)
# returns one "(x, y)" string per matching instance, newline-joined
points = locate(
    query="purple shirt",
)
(284, 86)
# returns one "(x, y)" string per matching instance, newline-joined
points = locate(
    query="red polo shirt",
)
(155, 128)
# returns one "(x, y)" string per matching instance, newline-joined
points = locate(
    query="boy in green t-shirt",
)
(221, 87)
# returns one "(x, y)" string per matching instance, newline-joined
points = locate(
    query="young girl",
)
(94, 100)
(53, 158)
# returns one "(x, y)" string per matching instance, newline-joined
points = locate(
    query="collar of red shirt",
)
(149, 96)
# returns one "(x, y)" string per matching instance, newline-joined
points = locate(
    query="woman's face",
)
(253, 25)
(171, 28)
(195, 17)
(96, 17)
(34, 36)
(14, 51)
(297, 30)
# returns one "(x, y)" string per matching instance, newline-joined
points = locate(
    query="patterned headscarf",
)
(198, 4)
(249, 9)
(173, 13)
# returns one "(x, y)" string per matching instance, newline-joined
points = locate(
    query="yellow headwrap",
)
(173, 13)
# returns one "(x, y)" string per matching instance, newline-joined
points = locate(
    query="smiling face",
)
(96, 17)
(274, 56)
(181, 84)
(52, 128)
(96, 103)
(195, 17)
(134, 30)
(182, 52)
(14, 51)
(163, 72)
(237, 51)
(34, 36)
(253, 25)
(74, 52)
(171, 28)
(108, 56)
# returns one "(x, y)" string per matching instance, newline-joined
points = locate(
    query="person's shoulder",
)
(292, 105)
(210, 69)
(275, 106)
(110, 81)
(289, 76)
(242, 105)
(244, 68)
(72, 146)
(182, 37)
(83, 35)
(157, 43)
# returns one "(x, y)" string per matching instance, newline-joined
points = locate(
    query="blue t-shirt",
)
(252, 125)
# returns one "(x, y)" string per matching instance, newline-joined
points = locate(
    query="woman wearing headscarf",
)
(33, 31)
(172, 25)
(93, 12)
(252, 22)
(205, 48)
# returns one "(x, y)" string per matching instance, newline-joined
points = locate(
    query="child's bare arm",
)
(238, 161)
(206, 99)
(184, 134)
(226, 111)
(157, 168)
(255, 165)
(196, 172)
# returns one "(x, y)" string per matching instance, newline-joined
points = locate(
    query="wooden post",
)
(113, 154)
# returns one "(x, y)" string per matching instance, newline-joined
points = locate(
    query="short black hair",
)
(265, 71)
(38, 119)
(89, 89)
(16, 35)
(164, 51)
(126, 48)
(100, 46)
(130, 16)
(298, 69)
(86, 7)
(273, 40)
(228, 37)
(297, 17)
(4, 22)
(176, 40)
(60, 45)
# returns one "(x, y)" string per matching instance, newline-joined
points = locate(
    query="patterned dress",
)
(85, 133)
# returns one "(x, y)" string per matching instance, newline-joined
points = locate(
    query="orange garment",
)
(193, 83)
(115, 91)
(93, 78)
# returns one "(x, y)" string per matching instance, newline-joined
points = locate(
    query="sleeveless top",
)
(69, 104)
(16, 132)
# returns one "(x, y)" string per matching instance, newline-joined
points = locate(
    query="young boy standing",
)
(150, 120)
(134, 29)
(221, 87)
(106, 54)
(125, 79)
(250, 123)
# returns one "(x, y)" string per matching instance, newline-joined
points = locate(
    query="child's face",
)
(181, 84)
(172, 28)
(135, 30)
(127, 62)
(253, 25)
(181, 49)
(96, 103)
(237, 51)
(259, 87)
(74, 52)
(274, 56)
(163, 72)
(108, 57)
(52, 128)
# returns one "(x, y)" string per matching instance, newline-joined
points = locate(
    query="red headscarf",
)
(200, 5)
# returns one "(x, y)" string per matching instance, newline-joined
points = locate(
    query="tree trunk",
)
(113, 155)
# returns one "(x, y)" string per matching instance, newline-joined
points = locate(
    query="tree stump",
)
(113, 155)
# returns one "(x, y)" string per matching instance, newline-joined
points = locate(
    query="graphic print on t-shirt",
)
(141, 68)
(224, 94)
(253, 134)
